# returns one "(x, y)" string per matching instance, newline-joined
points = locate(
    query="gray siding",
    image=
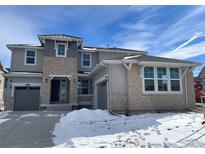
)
(18, 58)
(49, 49)
(118, 78)
(95, 61)
(7, 91)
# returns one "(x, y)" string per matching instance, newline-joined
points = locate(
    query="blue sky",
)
(168, 31)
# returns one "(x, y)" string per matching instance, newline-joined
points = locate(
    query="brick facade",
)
(9, 103)
(59, 66)
(137, 101)
(119, 103)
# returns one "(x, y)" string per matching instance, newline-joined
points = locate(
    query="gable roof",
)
(31, 46)
(113, 49)
(62, 37)
(59, 35)
(149, 58)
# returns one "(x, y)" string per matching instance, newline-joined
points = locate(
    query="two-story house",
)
(62, 73)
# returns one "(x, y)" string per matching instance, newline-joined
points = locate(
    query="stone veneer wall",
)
(119, 103)
(137, 101)
(59, 66)
(9, 103)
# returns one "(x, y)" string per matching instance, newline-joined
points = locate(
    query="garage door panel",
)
(26, 98)
(102, 95)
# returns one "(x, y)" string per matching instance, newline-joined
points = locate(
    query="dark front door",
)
(26, 98)
(55, 90)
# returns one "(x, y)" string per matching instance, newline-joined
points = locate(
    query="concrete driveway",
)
(31, 129)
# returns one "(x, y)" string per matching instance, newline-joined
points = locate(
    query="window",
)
(174, 79)
(30, 57)
(61, 50)
(162, 79)
(149, 78)
(86, 60)
(83, 87)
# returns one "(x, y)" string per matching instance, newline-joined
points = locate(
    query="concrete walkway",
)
(31, 129)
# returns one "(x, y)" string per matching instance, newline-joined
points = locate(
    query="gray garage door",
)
(26, 98)
(102, 95)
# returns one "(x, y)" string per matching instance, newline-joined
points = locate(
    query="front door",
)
(55, 90)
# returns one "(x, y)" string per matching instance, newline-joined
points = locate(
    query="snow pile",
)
(97, 128)
(75, 123)
(4, 114)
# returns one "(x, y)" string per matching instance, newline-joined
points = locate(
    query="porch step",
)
(58, 107)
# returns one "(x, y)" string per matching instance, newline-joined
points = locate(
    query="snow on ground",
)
(28, 115)
(52, 115)
(3, 114)
(98, 128)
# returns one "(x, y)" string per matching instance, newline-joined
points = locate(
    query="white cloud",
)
(15, 29)
(173, 53)
(187, 52)
(184, 27)
(136, 45)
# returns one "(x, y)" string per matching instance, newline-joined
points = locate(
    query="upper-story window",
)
(61, 50)
(30, 57)
(86, 60)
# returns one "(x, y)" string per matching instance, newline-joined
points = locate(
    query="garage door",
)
(26, 98)
(102, 95)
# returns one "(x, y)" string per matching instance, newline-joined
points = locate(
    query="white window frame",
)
(156, 91)
(90, 60)
(25, 57)
(65, 44)
(149, 79)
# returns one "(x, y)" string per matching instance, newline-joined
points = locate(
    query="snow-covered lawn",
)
(97, 128)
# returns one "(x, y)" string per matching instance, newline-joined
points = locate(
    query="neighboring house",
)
(2, 71)
(61, 72)
(2, 79)
(201, 78)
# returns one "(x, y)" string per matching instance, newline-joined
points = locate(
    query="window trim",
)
(60, 43)
(156, 81)
(25, 56)
(82, 60)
